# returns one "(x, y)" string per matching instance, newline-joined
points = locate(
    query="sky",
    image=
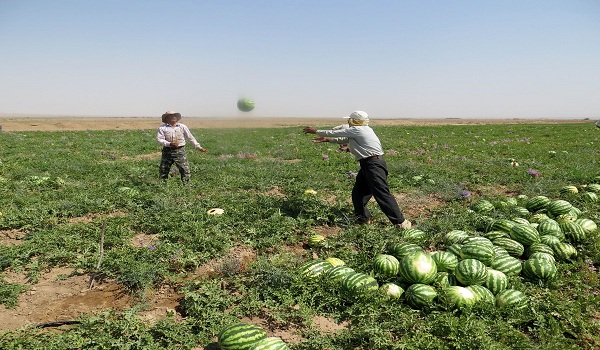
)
(308, 59)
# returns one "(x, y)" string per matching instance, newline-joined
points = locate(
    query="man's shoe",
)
(405, 225)
(363, 221)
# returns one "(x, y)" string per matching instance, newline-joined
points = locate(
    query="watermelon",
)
(359, 283)
(548, 226)
(549, 240)
(478, 240)
(559, 207)
(413, 235)
(565, 218)
(420, 295)
(568, 189)
(240, 336)
(541, 255)
(519, 211)
(455, 249)
(335, 261)
(482, 294)
(575, 212)
(444, 261)
(418, 267)
(391, 290)
(507, 264)
(337, 273)
(456, 297)
(492, 235)
(498, 251)
(386, 265)
(537, 203)
(564, 251)
(595, 188)
(314, 268)
(588, 225)
(538, 217)
(270, 343)
(483, 206)
(400, 250)
(316, 241)
(455, 236)
(524, 234)
(513, 247)
(501, 225)
(522, 199)
(470, 271)
(590, 197)
(496, 281)
(482, 222)
(539, 269)
(481, 252)
(573, 232)
(538, 248)
(521, 221)
(445, 279)
(511, 299)
(245, 104)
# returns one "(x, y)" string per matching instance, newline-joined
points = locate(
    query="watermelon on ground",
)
(511, 299)
(420, 295)
(240, 336)
(471, 271)
(539, 269)
(455, 297)
(418, 267)
(386, 265)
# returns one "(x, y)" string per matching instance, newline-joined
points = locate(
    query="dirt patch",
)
(11, 237)
(416, 206)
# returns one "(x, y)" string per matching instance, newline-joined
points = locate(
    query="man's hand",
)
(202, 149)
(309, 130)
(320, 139)
(174, 144)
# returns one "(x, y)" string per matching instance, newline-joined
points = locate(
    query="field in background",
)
(172, 276)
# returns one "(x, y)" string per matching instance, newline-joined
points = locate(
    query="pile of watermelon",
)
(247, 336)
(521, 236)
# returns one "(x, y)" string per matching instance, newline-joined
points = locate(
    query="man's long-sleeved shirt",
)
(178, 133)
(362, 140)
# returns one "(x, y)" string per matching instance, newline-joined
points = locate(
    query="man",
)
(173, 135)
(371, 180)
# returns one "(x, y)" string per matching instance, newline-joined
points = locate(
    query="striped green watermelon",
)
(559, 207)
(595, 188)
(445, 261)
(588, 225)
(568, 189)
(511, 299)
(481, 252)
(519, 211)
(455, 236)
(537, 203)
(522, 199)
(548, 226)
(418, 267)
(521, 221)
(501, 225)
(482, 294)
(573, 232)
(575, 212)
(549, 240)
(477, 240)
(358, 283)
(240, 336)
(420, 295)
(482, 222)
(492, 235)
(496, 281)
(315, 268)
(456, 297)
(337, 273)
(335, 261)
(391, 290)
(513, 247)
(316, 241)
(386, 265)
(413, 235)
(270, 343)
(539, 269)
(470, 271)
(483, 206)
(524, 234)
(538, 248)
(498, 251)
(455, 249)
(402, 249)
(564, 251)
(537, 217)
(445, 279)
(507, 264)
(590, 197)
(545, 256)
(501, 205)
(565, 218)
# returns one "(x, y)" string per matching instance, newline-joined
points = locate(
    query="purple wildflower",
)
(151, 247)
(534, 173)
(464, 194)
(352, 174)
(325, 157)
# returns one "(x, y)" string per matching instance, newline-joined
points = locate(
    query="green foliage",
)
(57, 189)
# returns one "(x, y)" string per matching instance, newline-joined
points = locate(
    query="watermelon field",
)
(504, 251)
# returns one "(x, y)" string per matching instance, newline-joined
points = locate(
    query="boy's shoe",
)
(363, 221)
(405, 225)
